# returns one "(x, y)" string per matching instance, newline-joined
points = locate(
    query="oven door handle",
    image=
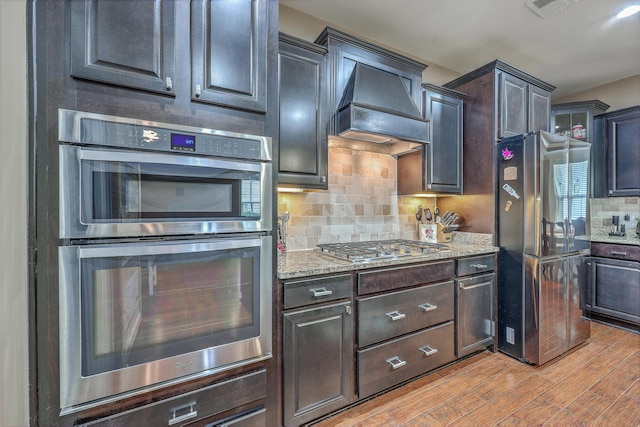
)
(165, 159)
(192, 413)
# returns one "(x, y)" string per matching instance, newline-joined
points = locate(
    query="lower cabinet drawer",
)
(393, 362)
(386, 316)
(201, 405)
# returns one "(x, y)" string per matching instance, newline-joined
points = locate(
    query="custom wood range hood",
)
(377, 107)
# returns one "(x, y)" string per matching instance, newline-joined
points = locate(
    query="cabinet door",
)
(228, 48)
(539, 109)
(475, 321)
(623, 153)
(512, 106)
(444, 154)
(317, 362)
(303, 118)
(125, 43)
(616, 289)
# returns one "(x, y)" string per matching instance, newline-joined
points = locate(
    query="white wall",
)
(14, 399)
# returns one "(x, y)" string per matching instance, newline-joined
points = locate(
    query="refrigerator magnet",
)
(510, 173)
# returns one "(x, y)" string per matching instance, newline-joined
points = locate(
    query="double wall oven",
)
(165, 254)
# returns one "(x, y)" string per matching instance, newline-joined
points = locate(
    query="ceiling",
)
(575, 48)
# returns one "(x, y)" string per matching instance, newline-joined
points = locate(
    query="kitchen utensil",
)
(445, 218)
(419, 214)
(427, 216)
(436, 214)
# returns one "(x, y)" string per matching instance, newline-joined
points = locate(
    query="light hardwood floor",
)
(596, 384)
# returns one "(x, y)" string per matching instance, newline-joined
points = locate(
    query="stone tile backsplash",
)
(361, 203)
(602, 210)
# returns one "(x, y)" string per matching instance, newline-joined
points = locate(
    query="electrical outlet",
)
(511, 336)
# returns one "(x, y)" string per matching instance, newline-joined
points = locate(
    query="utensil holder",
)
(428, 233)
(444, 234)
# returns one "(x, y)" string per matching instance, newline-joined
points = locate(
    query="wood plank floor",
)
(596, 384)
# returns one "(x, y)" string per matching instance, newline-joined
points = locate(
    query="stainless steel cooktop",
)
(380, 249)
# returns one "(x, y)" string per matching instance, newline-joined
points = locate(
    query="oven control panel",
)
(119, 132)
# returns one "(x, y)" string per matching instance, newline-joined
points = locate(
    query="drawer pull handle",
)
(320, 292)
(428, 350)
(479, 266)
(175, 418)
(396, 315)
(618, 253)
(428, 307)
(396, 362)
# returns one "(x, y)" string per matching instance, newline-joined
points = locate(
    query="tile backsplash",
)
(361, 203)
(602, 210)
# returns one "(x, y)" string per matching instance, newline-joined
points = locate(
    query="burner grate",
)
(379, 249)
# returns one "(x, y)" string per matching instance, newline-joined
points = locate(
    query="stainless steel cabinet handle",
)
(428, 350)
(396, 362)
(320, 292)
(175, 418)
(479, 266)
(168, 83)
(198, 90)
(428, 307)
(396, 315)
(618, 253)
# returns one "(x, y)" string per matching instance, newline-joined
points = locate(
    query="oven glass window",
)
(129, 192)
(145, 308)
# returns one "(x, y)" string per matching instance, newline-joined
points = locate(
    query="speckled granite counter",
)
(312, 262)
(602, 235)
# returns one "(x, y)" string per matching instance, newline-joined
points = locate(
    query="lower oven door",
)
(136, 316)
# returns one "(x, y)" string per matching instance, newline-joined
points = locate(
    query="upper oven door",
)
(110, 193)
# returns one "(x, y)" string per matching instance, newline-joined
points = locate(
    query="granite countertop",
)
(312, 262)
(601, 235)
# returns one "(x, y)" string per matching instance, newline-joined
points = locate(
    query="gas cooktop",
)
(380, 249)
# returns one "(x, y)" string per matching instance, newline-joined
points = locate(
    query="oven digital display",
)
(183, 142)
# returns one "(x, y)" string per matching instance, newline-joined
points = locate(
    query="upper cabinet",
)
(303, 114)
(208, 51)
(228, 47)
(110, 43)
(444, 110)
(437, 166)
(524, 104)
(618, 138)
(575, 119)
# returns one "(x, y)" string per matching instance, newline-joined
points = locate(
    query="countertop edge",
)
(297, 264)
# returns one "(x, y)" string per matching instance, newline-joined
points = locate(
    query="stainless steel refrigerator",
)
(543, 234)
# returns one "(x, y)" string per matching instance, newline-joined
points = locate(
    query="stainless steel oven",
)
(122, 177)
(165, 256)
(136, 315)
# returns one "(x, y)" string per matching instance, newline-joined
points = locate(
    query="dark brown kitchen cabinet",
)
(500, 101)
(110, 43)
(229, 53)
(613, 287)
(318, 369)
(437, 166)
(403, 331)
(522, 106)
(303, 114)
(135, 44)
(618, 141)
(576, 120)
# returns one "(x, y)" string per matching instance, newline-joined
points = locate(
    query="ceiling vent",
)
(544, 8)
